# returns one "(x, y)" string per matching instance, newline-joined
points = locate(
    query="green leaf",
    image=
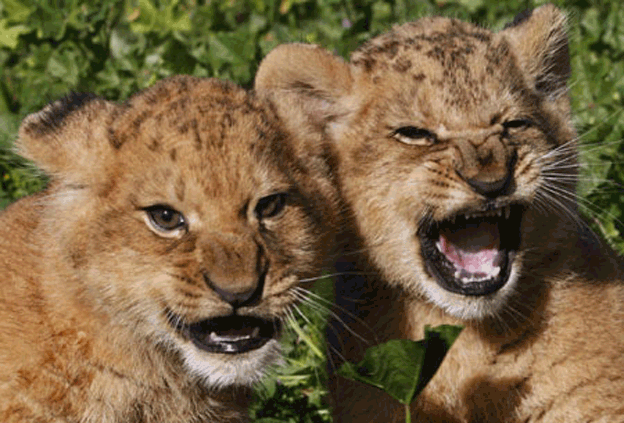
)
(9, 35)
(151, 18)
(401, 367)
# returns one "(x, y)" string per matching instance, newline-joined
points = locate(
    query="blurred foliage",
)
(116, 47)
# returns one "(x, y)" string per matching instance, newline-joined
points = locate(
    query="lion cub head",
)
(182, 215)
(454, 146)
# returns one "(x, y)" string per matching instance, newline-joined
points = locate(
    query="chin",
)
(217, 370)
(226, 350)
(466, 307)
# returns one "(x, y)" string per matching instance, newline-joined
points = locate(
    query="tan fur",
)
(547, 345)
(96, 300)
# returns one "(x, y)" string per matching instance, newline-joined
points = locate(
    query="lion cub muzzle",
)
(471, 252)
(235, 272)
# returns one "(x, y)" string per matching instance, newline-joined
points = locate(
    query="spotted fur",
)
(101, 288)
(436, 121)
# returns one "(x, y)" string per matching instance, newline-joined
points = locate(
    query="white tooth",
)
(499, 212)
(507, 212)
(495, 271)
(255, 333)
(212, 336)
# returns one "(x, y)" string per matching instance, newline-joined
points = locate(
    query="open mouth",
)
(229, 334)
(472, 253)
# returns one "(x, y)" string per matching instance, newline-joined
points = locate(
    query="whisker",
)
(331, 275)
(334, 315)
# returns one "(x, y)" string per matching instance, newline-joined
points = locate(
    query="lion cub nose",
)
(237, 290)
(239, 299)
(491, 189)
(236, 270)
(498, 180)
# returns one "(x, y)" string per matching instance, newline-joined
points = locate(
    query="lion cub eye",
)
(164, 218)
(270, 206)
(412, 135)
(516, 124)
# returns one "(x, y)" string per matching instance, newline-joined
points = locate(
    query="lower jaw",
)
(474, 289)
(473, 308)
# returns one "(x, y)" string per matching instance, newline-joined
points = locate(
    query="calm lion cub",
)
(456, 156)
(149, 282)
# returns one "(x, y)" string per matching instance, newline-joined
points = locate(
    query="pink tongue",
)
(473, 249)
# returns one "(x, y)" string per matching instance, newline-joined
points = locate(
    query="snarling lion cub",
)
(456, 155)
(149, 281)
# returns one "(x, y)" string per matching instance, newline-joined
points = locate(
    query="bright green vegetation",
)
(116, 47)
(402, 367)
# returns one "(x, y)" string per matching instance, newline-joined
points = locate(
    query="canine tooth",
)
(507, 212)
(255, 333)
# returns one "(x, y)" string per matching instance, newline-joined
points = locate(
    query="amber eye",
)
(165, 218)
(413, 135)
(271, 205)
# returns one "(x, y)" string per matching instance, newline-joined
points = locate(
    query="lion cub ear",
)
(68, 139)
(540, 42)
(307, 84)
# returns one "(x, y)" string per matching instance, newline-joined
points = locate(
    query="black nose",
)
(238, 297)
(491, 189)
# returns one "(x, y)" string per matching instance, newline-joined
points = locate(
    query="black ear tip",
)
(520, 18)
(53, 115)
(73, 101)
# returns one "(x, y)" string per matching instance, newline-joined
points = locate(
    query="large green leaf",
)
(402, 367)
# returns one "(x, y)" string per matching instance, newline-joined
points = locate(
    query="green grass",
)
(116, 47)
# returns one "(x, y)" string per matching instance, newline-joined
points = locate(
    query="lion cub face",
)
(183, 215)
(452, 142)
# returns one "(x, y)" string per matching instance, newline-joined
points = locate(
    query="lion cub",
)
(456, 155)
(150, 280)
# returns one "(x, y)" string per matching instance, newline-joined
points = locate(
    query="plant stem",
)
(408, 415)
